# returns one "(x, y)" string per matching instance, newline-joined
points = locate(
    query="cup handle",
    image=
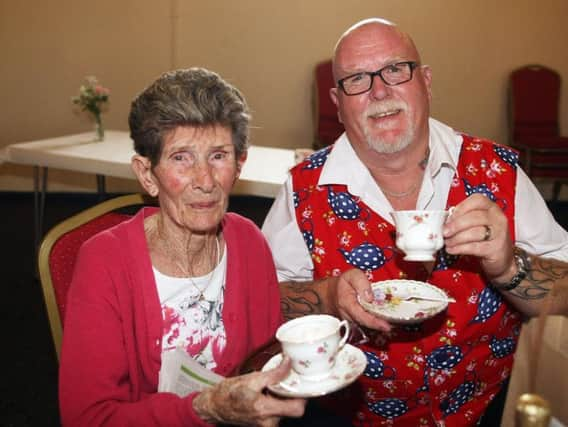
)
(450, 212)
(343, 340)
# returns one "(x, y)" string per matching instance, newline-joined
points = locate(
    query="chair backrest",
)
(58, 251)
(535, 98)
(327, 125)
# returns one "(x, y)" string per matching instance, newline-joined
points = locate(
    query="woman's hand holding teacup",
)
(241, 400)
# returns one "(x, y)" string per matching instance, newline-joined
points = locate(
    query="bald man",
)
(503, 250)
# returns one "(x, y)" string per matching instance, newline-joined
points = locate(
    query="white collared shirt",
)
(536, 229)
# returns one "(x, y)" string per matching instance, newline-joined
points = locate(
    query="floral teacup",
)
(312, 343)
(419, 233)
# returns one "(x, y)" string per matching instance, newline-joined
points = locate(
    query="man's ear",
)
(427, 77)
(142, 168)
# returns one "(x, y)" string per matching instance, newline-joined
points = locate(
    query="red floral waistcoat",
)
(446, 370)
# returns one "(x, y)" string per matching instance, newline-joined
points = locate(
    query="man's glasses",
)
(391, 75)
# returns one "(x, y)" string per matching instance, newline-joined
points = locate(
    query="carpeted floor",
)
(28, 390)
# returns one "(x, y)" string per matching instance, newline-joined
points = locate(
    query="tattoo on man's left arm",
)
(543, 276)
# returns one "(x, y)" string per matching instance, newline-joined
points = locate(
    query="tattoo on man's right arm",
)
(299, 300)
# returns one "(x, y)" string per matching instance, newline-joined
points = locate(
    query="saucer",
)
(395, 310)
(350, 362)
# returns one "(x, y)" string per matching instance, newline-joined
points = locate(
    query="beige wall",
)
(267, 48)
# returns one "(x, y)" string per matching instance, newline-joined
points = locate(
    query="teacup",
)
(419, 233)
(312, 343)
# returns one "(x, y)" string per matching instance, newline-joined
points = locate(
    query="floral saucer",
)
(393, 304)
(349, 364)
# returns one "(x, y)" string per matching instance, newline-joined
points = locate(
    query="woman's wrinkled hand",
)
(478, 227)
(242, 400)
(343, 294)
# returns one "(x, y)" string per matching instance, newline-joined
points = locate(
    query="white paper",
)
(182, 375)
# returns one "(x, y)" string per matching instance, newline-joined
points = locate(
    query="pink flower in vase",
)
(101, 90)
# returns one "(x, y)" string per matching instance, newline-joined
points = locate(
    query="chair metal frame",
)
(54, 235)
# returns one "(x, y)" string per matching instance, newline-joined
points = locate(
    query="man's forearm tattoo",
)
(543, 276)
(299, 300)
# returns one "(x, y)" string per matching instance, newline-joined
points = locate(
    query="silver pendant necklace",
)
(399, 195)
(402, 194)
(201, 291)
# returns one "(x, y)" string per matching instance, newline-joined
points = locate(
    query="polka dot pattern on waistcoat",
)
(365, 257)
(457, 398)
(343, 205)
(317, 159)
(478, 189)
(444, 357)
(502, 347)
(389, 408)
(507, 155)
(488, 304)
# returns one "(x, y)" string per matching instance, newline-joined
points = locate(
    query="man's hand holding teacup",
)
(478, 227)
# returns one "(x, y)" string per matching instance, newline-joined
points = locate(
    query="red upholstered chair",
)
(58, 251)
(327, 126)
(534, 122)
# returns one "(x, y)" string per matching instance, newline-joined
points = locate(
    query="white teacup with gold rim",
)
(419, 233)
(312, 343)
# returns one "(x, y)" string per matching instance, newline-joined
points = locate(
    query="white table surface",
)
(264, 171)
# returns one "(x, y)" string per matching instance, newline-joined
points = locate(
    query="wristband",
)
(522, 261)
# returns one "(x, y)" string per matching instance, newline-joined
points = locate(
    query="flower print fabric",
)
(442, 371)
(190, 322)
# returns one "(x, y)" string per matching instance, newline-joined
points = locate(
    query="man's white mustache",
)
(384, 107)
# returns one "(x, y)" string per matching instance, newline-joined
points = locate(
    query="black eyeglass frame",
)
(412, 65)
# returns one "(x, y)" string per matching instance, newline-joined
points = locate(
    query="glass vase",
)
(99, 128)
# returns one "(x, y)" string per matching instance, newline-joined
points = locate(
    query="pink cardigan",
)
(113, 325)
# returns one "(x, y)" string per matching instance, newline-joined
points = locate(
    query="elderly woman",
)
(185, 275)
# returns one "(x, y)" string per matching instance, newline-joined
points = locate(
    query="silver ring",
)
(487, 235)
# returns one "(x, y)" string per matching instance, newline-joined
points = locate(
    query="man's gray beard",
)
(377, 144)
(383, 147)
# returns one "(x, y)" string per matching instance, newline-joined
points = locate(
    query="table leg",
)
(101, 186)
(40, 190)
